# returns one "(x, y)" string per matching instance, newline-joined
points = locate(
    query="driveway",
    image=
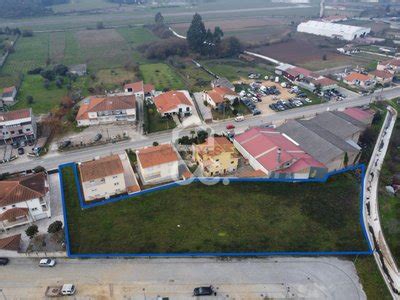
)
(278, 278)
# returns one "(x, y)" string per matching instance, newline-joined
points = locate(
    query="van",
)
(68, 289)
(239, 118)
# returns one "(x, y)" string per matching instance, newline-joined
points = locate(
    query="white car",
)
(68, 289)
(47, 262)
(239, 118)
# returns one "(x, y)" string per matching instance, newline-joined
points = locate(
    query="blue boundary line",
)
(84, 205)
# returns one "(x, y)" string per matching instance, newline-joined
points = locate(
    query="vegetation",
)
(371, 279)
(154, 122)
(23, 8)
(162, 76)
(32, 231)
(55, 227)
(273, 217)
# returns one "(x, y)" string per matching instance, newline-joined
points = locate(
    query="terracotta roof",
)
(356, 76)
(296, 71)
(219, 93)
(100, 168)
(359, 114)
(11, 243)
(148, 88)
(381, 74)
(9, 89)
(13, 213)
(23, 188)
(156, 155)
(324, 81)
(97, 104)
(140, 87)
(273, 150)
(170, 100)
(393, 62)
(15, 115)
(214, 146)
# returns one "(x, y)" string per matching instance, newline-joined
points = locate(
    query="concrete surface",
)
(316, 278)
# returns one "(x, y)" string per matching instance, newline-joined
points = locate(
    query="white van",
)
(68, 289)
(239, 118)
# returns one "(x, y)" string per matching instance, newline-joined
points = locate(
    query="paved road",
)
(53, 159)
(317, 278)
(382, 254)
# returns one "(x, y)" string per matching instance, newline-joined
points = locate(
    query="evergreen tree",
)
(159, 19)
(196, 34)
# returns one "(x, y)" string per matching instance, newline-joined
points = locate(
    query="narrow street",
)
(382, 253)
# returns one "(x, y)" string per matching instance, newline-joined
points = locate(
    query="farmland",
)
(274, 217)
(162, 76)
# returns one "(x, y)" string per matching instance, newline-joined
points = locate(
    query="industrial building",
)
(333, 30)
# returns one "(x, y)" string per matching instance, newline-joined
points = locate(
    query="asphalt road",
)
(316, 278)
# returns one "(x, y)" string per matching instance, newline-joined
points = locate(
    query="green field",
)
(162, 76)
(221, 218)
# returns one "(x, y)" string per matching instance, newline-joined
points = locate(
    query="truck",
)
(67, 289)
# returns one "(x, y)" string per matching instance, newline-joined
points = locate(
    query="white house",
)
(9, 95)
(17, 125)
(139, 89)
(24, 200)
(220, 95)
(104, 110)
(173, 103)
(333, 30)
(158, 164)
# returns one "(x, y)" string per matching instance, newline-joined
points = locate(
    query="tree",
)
(46, 84)
(29, 99)
(31, 231)
(59, 82)
(27, 33)
(55, 227)
(218, 34)
(159, 19)
(196, 34)
(346, 160)
(324, 57)
(48, 74)
(155, 144)
(202, 135)
(60, 69)
(100, 25)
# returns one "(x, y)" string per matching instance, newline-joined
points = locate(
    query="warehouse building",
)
(333, 30)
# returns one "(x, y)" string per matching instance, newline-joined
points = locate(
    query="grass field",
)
(162, 76)
(44, 99)
(196, 79)
(234, 69)
(371, 279)
(236, 217)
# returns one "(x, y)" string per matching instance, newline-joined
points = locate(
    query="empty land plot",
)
(114, 78)
(103, 48)
(30, 52)
(238, 217)
(57, 47)
(137, 35)
(162, 76)
(72, 52)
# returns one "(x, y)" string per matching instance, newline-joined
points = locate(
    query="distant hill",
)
(27, 8)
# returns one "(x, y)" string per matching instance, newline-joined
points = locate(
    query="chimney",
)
(279, 155)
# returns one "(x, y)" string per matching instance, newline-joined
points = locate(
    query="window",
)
(34, 209)
(115, 176)
(13, 205)
(116, 183)
(187, 108)
(20, 131)
(28, 129)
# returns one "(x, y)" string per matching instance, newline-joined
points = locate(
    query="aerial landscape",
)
(178, 149)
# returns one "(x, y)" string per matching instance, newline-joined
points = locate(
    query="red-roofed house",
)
(277, 155)
(363, 115)
(10, 243)
(23, 200)
(220, 95)
(9, 95)
(103, 110)
(173, 103)
(296, 73)
(391, 65)
(17, 125)
(139, 89)
(358, 79)
(382, 77)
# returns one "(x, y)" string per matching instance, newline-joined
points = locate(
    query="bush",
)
(35, 71)
(55, 227)
(31, 231)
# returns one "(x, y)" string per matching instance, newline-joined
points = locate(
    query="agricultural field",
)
(162, 76)
(274, 217)
(196, 79)
(114, 78)
(235, 69)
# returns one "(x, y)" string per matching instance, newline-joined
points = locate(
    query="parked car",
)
(15, 145)
(239, 118)
(204, 291)
(47, 262)
(98, 137)
(230, 126)
(64, 144)
(4, 261)
(21, 151)
(256, 112)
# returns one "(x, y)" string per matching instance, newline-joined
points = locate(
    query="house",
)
(108, 176)
(391, 65)
(173, 103)
(10, 244)
(158, 164)
(222, 82)
(220, 95)
(217, 156)
(333, 30)
(360, 80)
(139, 89)
(79, 70)
(24, 199)
(17, 125)
(382, 77)
(9, 95)
(107, 109)
(296, 73)
(277, 155)
(324, 146)
(321, 82)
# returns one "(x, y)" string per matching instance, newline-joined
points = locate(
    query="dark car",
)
(4, 261)
(64, 144)
(204, 291)
(15, 145)
(98, 137)
(21, 151)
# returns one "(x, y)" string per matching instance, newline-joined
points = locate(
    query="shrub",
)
(55, 227)
(31, 231)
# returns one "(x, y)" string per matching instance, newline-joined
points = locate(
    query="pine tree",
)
(196, 34)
